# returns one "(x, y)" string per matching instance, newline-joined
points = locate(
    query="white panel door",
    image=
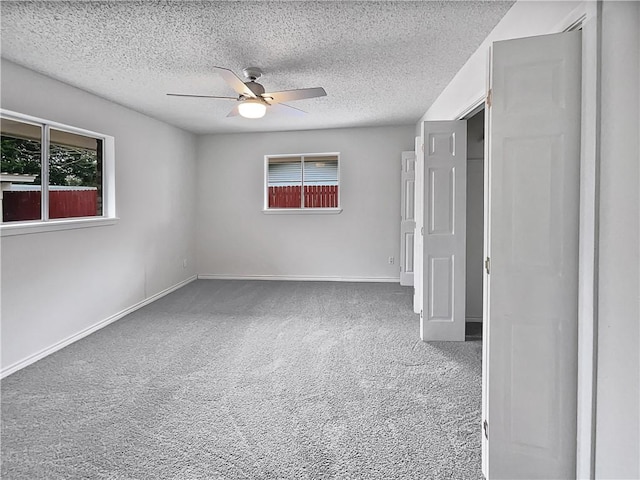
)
(407, 217)
(532, 284)
(444, 223)
(417, 244)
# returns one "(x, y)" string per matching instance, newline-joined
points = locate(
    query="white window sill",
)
(24, 228)
(302, 211)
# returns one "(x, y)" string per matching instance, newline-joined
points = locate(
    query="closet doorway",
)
(475, 225)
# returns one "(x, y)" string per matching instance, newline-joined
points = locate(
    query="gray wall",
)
(57, 284)
(235, 238)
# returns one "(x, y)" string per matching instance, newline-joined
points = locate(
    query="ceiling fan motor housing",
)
(252, 73)
(256, 88)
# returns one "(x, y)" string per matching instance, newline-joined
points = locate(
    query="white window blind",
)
(318, 171)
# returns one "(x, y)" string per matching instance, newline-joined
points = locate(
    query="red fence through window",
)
(25, 205)
(315, 196)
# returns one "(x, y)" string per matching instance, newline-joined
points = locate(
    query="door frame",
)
(588, 16)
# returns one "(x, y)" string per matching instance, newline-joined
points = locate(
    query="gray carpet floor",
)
(251, 380)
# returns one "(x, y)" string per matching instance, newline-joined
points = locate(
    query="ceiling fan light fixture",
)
(252, 108)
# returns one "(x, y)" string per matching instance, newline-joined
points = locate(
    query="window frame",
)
(46, 224)
(301, 210)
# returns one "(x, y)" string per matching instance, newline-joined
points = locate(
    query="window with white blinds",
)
(302, 181)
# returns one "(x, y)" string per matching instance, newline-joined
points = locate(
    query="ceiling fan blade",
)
(289, 95)
(284, 109)
(197, 96)
(234, 112)
(235, 82)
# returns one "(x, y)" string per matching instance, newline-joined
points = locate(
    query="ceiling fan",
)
(252, 99)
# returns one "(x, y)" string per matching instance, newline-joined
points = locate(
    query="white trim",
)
(575, 19)
(297, 278)
(302, 211)
(89, 330)
(295, 155)
(24, 228)
(41, 121)
(109, 177)
(302, 199)
(590, 15)
(475, 108)
(44, 173)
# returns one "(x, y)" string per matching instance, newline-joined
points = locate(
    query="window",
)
(309, 182)
(52, 172)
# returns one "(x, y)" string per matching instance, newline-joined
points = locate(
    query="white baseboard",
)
(89, 330)
(298, 278)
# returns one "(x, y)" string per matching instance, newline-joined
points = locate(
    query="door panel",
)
(441, 202)
(532, 242)
(441, 289)
(407, 261)
(444, 248)
(407, 217)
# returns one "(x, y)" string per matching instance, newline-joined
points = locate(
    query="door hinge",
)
(421, 315)
(487, 265)
(423, 147)
(421, 230)
(485, 427)
(489, 97)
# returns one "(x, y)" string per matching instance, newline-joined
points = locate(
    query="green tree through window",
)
(21, 156)
(67, 165)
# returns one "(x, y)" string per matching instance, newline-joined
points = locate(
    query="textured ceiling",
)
(381, 63)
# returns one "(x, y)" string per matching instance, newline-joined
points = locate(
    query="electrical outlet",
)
(391, 260)
(184, 263)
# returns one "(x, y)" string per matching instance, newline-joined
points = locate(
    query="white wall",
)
(617, 432)
(57, 284)
(235, 238)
